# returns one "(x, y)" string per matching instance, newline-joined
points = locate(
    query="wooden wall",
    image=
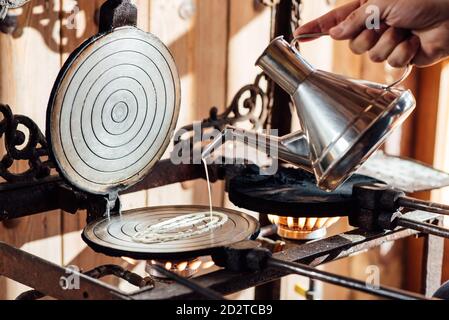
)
(215, 44)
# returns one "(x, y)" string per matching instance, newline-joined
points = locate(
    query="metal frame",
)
(14, 263)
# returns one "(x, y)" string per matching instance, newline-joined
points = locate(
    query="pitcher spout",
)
(292, 148)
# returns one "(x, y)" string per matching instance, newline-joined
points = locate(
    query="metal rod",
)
(428, 206)
(310, 295)
(432, 264)
(119, 272)
(205, 292)
(98, 273)
(423, 227)
(313, 253)
(345, 282)
(46, 276)
(26, 199)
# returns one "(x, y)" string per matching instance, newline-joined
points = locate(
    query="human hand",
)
(410, 31)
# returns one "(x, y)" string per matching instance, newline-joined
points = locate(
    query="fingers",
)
(434, 45)
(356, 21)
(366, 40)
(387, 43)
(329, 20)
(390, 44)
(424, 59)
(404, 53)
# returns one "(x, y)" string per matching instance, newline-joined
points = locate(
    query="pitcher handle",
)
(405, 75)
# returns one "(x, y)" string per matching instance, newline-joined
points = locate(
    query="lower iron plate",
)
(113, 236)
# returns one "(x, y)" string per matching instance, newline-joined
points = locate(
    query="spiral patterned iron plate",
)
(114, 236)
(113, 110)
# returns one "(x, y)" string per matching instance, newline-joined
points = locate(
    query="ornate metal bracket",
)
(8, 24)
(20, 146)
(114, 13)
(117, 13)
(269, 3)
(5, 5)
(251, 104)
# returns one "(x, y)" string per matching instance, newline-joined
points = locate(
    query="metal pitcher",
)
(343, 120)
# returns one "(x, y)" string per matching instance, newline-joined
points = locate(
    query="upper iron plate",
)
(113, 110)
(114, 236)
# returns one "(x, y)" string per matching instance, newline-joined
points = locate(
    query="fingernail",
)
(336, 31)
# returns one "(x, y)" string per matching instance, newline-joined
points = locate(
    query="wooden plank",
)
(75, 251)
(210, 62)
(78, 24)
(400, 143)
(248, 35)
(196, 33)
(427, 113)
(351, 65)
(139, 199)
(442, 151)
(178, 34)
(245, 21)
(195, 68)
(388, 258)
(29, 64)
(198, 43)
(425, 129)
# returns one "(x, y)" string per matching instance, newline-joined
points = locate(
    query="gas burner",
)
(185, 269)
(292, 192)
(302, 228)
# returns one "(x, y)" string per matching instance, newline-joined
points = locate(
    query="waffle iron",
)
(111, 114)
